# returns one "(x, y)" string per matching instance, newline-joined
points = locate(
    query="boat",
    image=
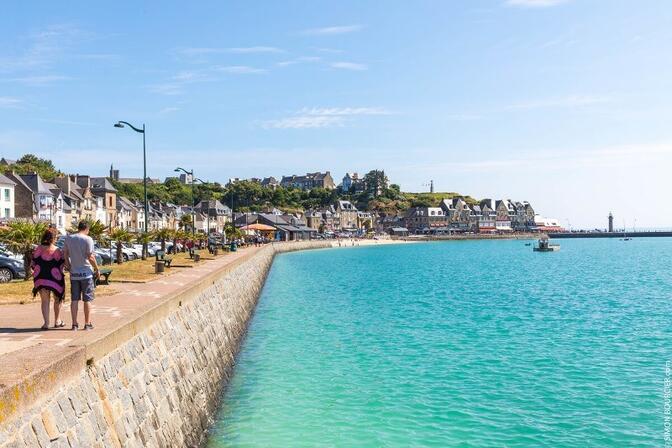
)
(528, 244)
(544, 245)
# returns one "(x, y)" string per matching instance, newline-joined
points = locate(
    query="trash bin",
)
(215, 251)
(197, 258)
(233, 247)
(159, 267)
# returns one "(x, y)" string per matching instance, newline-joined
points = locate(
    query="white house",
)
(6, 198)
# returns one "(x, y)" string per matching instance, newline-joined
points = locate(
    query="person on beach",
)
(47, 265)
(80, 260)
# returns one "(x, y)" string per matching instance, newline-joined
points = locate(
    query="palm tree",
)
(96, 229)
(120, 236)
(185, 222)
(21, 237)
(163, 235)
(232, 232)
(144, 238)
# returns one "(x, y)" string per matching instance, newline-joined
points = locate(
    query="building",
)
(309, 181)
(426, 220)
(352, 183)
(347, 215)
(270, 182)
(504, 215)
(101, 186)
(114, 175)
(6, 198)
(216, 215)
(487, 220)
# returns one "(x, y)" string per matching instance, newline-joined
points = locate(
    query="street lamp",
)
(193, 198)
(120, 124)
(204, 182)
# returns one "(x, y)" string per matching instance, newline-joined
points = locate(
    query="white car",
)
(126, 253)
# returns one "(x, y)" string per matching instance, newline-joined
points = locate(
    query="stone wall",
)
(161, 387)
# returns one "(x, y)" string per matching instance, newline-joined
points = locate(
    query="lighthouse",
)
(611, 222)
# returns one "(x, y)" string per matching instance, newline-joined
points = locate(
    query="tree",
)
(376, 182)
(20, 237)
(30, 163)
(163, 235)
(120, 236)
(185, 221)
(96, 229)
(232, 232)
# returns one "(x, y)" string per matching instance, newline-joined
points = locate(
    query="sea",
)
(458, 344)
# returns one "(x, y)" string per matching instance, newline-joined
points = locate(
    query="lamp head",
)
(118, 125)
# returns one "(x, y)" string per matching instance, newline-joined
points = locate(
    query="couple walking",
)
(49, 264)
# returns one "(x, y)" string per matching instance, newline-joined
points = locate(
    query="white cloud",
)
(332, 30)
(241, 70)
(35, 81)
(198, 52)
(45, 48)
(167, 110)
(259, 49)
(349, 66)
(304, 122)
(8, 102)
(567, 101)
(344, 111)
(534, 3)
(300, 60)
(322, 117)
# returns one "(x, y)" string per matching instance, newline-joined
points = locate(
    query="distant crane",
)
(430, 185)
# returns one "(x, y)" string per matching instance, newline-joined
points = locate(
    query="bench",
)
(161, 256)
(103, 276)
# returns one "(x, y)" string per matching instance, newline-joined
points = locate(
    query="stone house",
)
(426, 219)
(218, 214)
(347, 212)
(309, 181)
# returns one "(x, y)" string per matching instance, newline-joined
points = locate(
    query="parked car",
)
(10, 269)
(126, 253)
(9, 254)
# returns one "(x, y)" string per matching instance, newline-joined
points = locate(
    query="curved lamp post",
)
(193, 198)
(208, 225)
(120, 124)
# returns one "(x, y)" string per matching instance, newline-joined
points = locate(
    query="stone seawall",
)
(160, 387)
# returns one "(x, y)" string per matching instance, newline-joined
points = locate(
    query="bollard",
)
(159, 267)
(216, 252)
(197, 258)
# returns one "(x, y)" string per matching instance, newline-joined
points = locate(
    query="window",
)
(110, 201)
(7, 213)
(7, 193)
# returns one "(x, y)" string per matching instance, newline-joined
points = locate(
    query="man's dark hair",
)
(83, 225)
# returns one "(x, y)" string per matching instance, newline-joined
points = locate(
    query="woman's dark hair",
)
(49, 236)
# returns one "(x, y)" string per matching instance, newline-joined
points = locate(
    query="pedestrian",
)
(80, 260)
(47, 265)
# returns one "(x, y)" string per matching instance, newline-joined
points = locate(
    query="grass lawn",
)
(20, 291)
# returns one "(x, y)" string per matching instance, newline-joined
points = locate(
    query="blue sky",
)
(563, 103)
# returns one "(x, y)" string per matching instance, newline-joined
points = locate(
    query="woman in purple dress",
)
(48, 278)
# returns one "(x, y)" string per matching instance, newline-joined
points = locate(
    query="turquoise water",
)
(478, 343)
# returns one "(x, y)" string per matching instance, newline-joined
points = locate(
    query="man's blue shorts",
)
(82, 289)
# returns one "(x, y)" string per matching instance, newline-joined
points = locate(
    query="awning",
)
(258, 226)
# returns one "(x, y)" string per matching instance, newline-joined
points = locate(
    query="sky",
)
(563, 103)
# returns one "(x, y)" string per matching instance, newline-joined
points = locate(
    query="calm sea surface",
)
(477, 343)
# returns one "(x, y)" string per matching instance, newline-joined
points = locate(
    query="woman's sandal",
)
(44, 327)
(60, 324)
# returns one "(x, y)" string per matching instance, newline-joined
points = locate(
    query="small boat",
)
(544, 245)
(528, 244)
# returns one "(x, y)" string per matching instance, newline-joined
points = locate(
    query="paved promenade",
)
(26, 350)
